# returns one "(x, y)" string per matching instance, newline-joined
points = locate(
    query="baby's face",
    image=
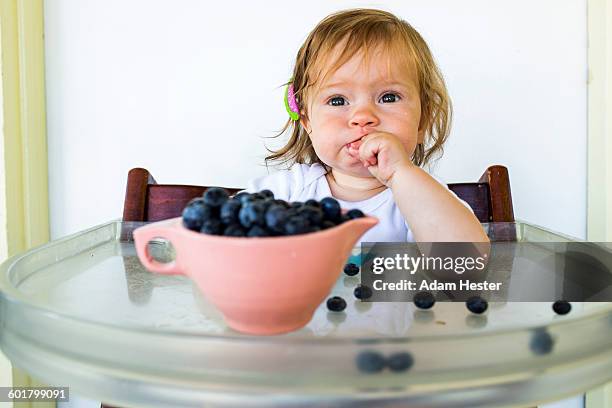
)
(359, 99)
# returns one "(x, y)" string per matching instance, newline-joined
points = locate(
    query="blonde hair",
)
(362, 30)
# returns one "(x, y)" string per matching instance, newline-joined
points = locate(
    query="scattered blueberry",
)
(362, 292)
(370, 362)
(351, 269)
(336, 304)
(541, 342)
(399, 362)
(562, 307)
(425, 300)
(215, 196)
(477, 305)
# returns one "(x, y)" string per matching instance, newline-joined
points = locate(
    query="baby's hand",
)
(382, 153)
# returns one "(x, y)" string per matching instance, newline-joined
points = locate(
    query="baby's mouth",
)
(353, 148)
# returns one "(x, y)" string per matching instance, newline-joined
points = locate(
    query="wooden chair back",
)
(145, 200)
(490, 196)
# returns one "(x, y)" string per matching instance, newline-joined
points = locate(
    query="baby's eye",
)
(337, 101)
(390, 98)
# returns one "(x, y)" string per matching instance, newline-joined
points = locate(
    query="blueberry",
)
(343, 218)
(562, 307)
(327, 224)
(229, 211)
(252, 213)
(266, 203)
(258, 196)
(275, 217)
(296, 204)
(362, 292)
(215, 196)
(331, 208)
(244, 197)
(370, 362)
(197, 200)
(282, 203)
(312, 203)
(312, 214)
(541, 342)
(257, 231)
(237, 196)
(354, 213)
(194, 215)
(291, 211)
(267, 194)
(212, 227)
(336, 304)
(351, 269)
(401, 361)
(234, 230)
(425, 300)
(296, 225)
(477, 305)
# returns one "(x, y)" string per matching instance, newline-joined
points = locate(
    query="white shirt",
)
(304, 181)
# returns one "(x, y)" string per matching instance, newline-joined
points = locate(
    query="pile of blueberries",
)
(261, 215)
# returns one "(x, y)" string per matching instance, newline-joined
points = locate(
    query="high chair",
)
(145, 200)
(148, 201)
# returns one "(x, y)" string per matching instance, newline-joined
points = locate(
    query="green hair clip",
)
(291, 104)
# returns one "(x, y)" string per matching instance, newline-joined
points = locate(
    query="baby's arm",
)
(432, 211)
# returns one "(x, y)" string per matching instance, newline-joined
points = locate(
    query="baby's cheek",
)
(321, 148)
(327, 146)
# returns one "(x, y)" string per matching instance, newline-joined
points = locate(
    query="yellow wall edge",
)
(26, 169)
(13, 158)
(599, 183)
(24, 136)
(33, 121)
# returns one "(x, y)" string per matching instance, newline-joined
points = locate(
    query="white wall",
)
(188, 89)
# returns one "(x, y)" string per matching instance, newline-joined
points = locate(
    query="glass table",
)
(82, 312)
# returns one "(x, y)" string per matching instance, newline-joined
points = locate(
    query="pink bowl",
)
(265, 285)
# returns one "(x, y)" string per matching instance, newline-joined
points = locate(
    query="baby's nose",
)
(364, 117)
(363, 123)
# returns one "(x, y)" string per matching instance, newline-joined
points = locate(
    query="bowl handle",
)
(143, 235)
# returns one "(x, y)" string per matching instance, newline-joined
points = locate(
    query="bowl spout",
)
(354, 229)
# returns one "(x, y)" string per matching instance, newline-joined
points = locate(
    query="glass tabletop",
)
(83, 312)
